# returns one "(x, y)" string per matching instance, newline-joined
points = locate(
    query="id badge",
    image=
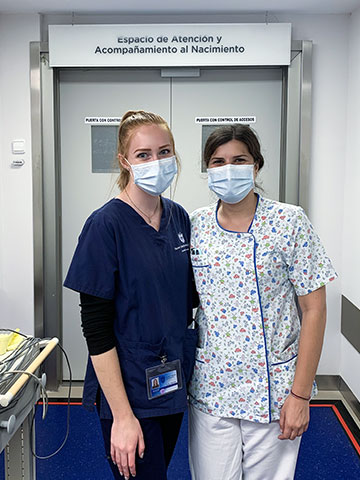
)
(164, 378)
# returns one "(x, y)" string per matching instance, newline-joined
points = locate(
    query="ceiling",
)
(179, 6)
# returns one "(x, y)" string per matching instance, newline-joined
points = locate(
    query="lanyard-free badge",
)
(164, 378)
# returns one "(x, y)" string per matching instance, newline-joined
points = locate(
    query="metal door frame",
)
(45, 135)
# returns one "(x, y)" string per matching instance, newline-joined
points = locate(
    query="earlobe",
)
(123, 162)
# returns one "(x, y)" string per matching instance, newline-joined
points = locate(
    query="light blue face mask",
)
(155, 177)
(231, 183)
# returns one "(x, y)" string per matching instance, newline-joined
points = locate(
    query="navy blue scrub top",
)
(148, 275)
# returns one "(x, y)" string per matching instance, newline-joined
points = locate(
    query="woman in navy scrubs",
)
(132, 269)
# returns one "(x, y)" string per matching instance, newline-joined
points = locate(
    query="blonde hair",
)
(129, 122)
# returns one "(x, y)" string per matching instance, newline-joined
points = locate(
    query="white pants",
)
(233, 449)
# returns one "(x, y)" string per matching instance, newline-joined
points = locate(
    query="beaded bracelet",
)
(298, 396)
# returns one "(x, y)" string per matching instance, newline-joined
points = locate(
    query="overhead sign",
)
(171, 45)
(225, 120)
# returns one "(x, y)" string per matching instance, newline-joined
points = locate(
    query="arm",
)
(97, 315)
(126, 433)
(294, 418)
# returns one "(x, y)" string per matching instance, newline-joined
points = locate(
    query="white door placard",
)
(225, 120)
(102, 120)
(170, 45)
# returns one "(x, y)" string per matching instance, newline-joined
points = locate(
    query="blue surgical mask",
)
(231, 183)
(155, 177)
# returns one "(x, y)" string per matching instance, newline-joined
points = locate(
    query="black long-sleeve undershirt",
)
(97, 322)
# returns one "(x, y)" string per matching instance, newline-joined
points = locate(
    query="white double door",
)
(180, 100)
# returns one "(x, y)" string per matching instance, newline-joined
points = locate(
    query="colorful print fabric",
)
(248, 319)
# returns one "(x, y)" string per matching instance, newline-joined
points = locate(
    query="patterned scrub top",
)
(248, 319)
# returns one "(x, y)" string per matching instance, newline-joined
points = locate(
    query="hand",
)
(126, 436)
(294, 418)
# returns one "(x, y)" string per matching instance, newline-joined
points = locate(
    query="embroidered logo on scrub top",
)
(181, 237)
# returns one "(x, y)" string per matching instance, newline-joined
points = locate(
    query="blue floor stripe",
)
(325, 453)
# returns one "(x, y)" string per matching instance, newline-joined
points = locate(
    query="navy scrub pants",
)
(160, 435)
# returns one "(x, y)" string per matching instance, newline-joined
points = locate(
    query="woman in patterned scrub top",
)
(254, 261)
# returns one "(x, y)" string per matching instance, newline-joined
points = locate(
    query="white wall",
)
(350, 359)
(16, 242)
(329, 34)
(330, 75)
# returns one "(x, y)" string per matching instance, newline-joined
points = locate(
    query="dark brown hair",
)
(239, 132)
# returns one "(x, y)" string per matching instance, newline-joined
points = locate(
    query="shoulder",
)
(279, 207)
(174, 205)
(175, 209)
(279, 211)
(202, 213)
(106, 216)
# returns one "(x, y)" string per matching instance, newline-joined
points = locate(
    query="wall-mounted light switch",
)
(18, 147)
